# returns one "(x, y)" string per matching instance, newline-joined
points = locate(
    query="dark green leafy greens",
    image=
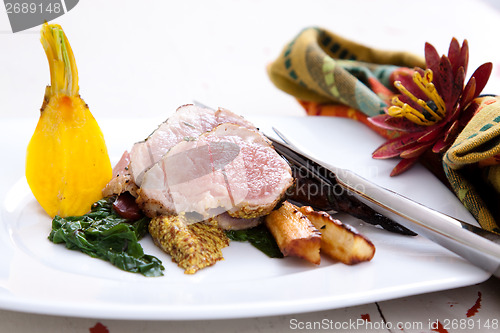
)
(260, 237)
(103, 234)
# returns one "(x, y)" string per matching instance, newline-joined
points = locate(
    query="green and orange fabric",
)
(472, 164)
(321, 67)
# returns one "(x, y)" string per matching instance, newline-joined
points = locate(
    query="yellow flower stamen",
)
(434, 107)
(409, 113)
(425, 84)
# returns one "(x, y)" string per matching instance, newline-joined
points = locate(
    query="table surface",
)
(150, 57)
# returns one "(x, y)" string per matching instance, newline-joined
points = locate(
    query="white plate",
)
(41, 277)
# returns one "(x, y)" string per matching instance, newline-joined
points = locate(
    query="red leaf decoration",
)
(401, 74)
(409, 145)
(458, 85)
(415, 151)
(464, 56)
(380, 121)
(453, 115)
(407, 100)
(444, 81)
(403, 165)
(454, 54)
(432, 58)
(468, 93)
(403, 125)
(440, 146)
(468, 113)
(385, 151)
(452, 132)
(482, 75)
(410, 85)
(430, 135)
(391, 148)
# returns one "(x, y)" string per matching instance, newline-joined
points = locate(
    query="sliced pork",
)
(230, 169)
(122, 179)
(187, 123)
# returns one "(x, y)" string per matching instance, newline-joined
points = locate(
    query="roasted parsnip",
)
(294, 233)
(338, 240)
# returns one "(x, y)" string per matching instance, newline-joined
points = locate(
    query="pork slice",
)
(224, 116)
(231, 169)
(121, 180)
(188, 122)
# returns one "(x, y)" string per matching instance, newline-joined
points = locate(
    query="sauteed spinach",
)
(103, 234)
(260, 237)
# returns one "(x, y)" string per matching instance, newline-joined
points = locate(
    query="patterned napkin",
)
(332, 76)
(319, 66)
(472, 164)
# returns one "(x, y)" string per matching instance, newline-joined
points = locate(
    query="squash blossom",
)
(67, 162)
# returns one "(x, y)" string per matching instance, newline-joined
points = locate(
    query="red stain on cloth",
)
(99, 328)
(475, 308)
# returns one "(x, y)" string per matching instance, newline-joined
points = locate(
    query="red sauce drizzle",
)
(475, 308)
(99, 328)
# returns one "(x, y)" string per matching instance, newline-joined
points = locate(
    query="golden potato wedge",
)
(294, 233)
(338, 240)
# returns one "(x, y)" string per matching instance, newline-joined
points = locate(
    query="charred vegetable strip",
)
(67, 163)
(295, 235)
(103, 234)
(340, 241)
